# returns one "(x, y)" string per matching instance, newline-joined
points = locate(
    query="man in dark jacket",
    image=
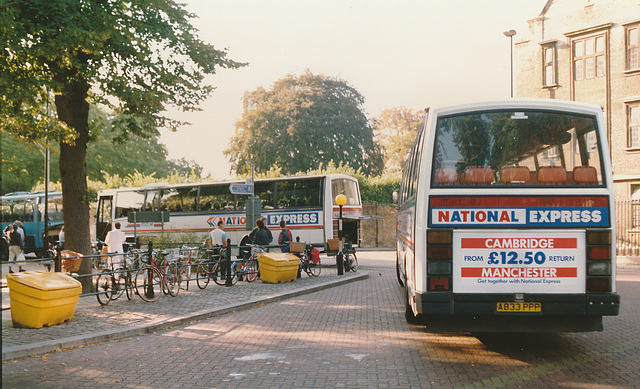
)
(261, 237)
(252, 235)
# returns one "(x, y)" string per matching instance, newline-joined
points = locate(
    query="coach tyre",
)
(408, 312)
(398, 275)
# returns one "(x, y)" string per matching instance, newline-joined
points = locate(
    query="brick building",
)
(589, 51)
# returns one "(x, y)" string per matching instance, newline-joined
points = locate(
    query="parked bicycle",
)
(247, 269)
(159, 275)
(212, 268)
(115, 279)
(309, 258)
(350, 259)
(187, 258)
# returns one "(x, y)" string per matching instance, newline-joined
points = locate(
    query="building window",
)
(633, 118)
(632, 48)
(589, 58)
(549, 64)
(592, 144)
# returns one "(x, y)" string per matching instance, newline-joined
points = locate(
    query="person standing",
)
(115, 240)
(218, 236)
(21, 231)
(16, 244)
(269, 234)
(61, 237)
(285, 237)
(219, 239)
(262, 237)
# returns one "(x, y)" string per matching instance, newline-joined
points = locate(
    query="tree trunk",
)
(73, 109)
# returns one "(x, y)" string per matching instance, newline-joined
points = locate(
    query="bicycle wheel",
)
(346, 261)
(128, 288)
(104, 287)
(252, 271)
(304, 264)
(185, 271)
(236, 271)
(217, 270)
(173, 279)
(148, 282)
(118, 284)
(221, 277)
(353, 262)
(202, 278)
(313, 269)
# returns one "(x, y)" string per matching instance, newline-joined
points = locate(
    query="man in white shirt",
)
(218, 237)
(115, 240)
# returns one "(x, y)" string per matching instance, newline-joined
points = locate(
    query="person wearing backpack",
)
(285, 237)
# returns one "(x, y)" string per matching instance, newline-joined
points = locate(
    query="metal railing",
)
(69, 262)
(628, 227)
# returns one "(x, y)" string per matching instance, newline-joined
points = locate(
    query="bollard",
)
(149, 292)
(227, 264)
(150, 252)
(58, 260)
(340, 200)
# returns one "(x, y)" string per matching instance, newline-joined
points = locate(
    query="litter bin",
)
(278, 267)
(40, 298)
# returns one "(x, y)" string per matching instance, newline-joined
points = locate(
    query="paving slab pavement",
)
(122, 318)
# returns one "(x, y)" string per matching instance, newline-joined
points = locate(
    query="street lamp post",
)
(341, 200)
(509, 34)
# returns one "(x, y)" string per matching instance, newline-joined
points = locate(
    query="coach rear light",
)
(599, 253)
(439, 268)
(598, 237)
(599, 284)
(439, 283)
(439, 252)
(439, 237)
(600, 268)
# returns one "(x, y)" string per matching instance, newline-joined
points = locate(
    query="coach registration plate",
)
(519, 307)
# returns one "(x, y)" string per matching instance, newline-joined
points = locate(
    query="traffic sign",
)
(242, 189)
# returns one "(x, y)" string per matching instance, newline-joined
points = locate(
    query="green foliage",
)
(141, 55)
(301, 123)
(178, 239)
(332, 168)
(133, 56)
(379, 190)
(112, 154)
(396, 129)
(23, 161)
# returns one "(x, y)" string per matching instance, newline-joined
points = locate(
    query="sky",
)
(396, 53)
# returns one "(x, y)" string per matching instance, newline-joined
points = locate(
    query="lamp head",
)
(341, 199)
(509, 33)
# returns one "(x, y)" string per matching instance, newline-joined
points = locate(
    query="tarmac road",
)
(352, 335)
